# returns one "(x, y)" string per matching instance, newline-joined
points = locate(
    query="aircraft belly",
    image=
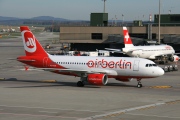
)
(126, 73)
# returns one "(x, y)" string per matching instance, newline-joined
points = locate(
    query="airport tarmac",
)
(41, 95)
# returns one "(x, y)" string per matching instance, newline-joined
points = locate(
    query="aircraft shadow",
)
(50, 84)
(61, 83)
(120, 85)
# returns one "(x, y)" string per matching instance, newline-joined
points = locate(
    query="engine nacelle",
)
(97, 79)
(174, 58)
(124, 79)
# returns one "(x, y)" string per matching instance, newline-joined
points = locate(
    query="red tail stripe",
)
(127, 39)
(22, 28)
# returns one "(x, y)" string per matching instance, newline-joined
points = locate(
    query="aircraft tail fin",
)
(127, 39)
(31, 45)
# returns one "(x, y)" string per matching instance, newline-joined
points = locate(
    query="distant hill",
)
(49, 18)
(2, 18)
(40, 20)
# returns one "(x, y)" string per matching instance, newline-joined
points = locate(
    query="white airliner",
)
(94, 70)
(163, 53)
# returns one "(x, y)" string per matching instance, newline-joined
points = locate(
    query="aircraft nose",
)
(161, 72)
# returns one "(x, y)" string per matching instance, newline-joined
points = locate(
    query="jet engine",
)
(97, 79)
(174, 58)
(124, 79)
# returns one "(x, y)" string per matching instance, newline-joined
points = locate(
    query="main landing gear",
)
(164, 59)
(139, 85)
(80, 84)
(82, 81)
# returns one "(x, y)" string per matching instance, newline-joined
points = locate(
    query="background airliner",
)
(94, 70)
(163, 53)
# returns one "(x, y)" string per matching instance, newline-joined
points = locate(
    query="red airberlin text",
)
(122, 64)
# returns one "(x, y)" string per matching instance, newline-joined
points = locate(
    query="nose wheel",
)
(139, 85)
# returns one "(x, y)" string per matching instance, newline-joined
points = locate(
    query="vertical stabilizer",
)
(31, 45)
(127, 39)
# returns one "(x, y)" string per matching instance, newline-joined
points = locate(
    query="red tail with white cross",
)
(127, 39)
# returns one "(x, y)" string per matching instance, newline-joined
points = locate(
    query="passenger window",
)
(146, 65)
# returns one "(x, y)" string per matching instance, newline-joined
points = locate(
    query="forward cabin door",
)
(136, 65)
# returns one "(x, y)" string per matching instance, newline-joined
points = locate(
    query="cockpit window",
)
(154, 65)
(150, 65)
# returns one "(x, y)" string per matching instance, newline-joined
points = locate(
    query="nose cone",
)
(160, 72)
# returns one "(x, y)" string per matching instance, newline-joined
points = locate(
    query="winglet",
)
(127, 39)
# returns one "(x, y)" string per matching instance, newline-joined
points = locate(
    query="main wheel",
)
(80, 84)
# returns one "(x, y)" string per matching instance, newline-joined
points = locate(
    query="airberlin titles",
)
(122, 64)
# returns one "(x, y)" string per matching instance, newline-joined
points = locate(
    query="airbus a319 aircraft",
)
(163, 53)
(94, 70)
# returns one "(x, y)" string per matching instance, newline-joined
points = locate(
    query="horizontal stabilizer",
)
(24, 60)
(114, 50)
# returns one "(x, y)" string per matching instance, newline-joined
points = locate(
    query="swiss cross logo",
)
(29, 41)
(126, 37)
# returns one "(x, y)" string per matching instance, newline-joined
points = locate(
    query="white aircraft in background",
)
(164, 53)
(94, 70)
(12, 30)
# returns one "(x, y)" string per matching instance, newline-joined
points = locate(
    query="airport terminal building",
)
(100, 34)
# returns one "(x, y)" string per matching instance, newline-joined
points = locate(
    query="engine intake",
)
(174, 58)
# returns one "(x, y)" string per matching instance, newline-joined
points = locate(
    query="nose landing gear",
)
(139, 85)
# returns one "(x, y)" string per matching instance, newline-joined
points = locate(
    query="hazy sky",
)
(81, 9)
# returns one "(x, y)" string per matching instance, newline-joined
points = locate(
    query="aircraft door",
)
(45, 62)
(136, 65)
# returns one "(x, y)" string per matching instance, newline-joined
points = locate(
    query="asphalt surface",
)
(41, 95)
